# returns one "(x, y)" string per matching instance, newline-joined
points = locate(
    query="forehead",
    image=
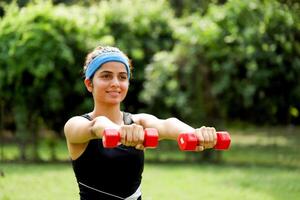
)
(113, 67)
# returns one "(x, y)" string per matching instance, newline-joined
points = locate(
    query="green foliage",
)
(161, 88)
(37, 58)
(239, 61)
(42, 50)
(140, 34)
(187, 7)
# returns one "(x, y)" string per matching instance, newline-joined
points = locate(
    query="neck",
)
(112, 112)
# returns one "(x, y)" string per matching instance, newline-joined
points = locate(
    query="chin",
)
(114, 101)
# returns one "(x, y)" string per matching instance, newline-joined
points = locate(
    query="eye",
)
(105, 76)
(123, 77)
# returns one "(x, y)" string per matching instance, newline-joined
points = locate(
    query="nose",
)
(115, 82)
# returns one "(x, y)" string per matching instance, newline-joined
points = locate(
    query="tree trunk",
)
(1, 129)
(33, 128)
(22, 135)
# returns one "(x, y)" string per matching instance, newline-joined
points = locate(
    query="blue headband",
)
(97, 62)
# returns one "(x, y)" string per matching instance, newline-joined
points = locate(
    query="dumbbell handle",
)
(189, 141)
(111, 138)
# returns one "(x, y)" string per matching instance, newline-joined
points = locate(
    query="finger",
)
(123, 134)
(205, 134)
(141, 135)
(212, 137)
(140, 147)
(215, 136)
(200, 135)
(210, 141)
(138, 130)
(134, 131)
(130, 135)
(127, 129)
(200, 148)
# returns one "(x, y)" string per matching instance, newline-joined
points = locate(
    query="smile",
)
(113, 93)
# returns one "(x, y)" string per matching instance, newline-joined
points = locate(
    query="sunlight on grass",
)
(160, 181)
(32, 182)
(262, 163)
(219, 182)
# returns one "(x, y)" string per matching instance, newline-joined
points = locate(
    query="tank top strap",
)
(87, 116)
(127, 118)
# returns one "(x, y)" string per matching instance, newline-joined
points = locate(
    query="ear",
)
(88, 84)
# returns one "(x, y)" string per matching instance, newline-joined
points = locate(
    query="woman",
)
(115, 173)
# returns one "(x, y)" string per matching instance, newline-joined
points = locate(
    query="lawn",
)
(160, 181)
(261, 164)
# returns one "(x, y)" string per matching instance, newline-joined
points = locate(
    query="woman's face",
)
(110, 83)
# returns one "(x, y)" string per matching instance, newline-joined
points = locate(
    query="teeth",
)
(113, 93)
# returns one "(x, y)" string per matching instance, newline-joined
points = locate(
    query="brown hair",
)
(99, 50)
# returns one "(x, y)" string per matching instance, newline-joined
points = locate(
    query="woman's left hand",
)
(207, 137)
(132, 135)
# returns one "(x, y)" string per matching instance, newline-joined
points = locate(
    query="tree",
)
(238, 61)
(42, 50)
(36, 61)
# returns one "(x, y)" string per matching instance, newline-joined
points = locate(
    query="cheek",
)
(99, 83)
(99, 86)
(124, 86)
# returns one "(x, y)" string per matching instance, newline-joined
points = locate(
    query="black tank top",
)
(116, 171)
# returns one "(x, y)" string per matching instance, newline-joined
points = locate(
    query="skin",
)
(109, 87)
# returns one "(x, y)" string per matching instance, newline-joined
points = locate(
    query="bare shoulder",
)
(74, 121)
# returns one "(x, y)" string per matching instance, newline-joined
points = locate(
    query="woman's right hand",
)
(207, 137)
(132, 135)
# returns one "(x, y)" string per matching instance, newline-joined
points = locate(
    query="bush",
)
(38, 56)
(42, 50)
(239, 61)
(139, 30)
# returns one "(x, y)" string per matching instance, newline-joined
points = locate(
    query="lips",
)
(113, 93)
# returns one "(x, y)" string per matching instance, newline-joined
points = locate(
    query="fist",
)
(207, 138)
(132, 135)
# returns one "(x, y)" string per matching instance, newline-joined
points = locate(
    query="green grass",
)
(33, 182)
(220, 182)
(262, 163)
(160, 181)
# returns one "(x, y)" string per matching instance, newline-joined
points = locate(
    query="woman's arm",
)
(81, 130)
(167, 128)
(171, 128)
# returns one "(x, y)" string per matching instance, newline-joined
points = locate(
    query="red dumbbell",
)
(189, 141)
(111, 138)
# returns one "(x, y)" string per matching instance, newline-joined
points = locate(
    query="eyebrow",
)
(109, 72)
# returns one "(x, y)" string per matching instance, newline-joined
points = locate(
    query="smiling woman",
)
(108, 70)
(111, 81)
(116, 173)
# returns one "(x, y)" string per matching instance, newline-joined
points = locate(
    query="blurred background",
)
(233, 64)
